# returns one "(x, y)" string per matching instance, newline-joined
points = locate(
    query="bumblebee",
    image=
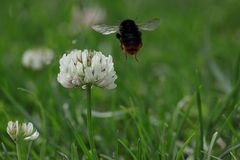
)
(128, 33)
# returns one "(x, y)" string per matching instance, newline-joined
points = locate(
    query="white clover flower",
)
(86, 16)
(25, 131)
(79, 68)
(36, 59)
(13, 129)
(32, 137)
(27, 128)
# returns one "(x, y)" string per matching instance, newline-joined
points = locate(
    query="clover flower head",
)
(32, 137)
(13, 129)
(28, 131)
(25, 130)
(37, 59)
(79, 68)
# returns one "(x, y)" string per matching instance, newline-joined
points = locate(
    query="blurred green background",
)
(197, 44)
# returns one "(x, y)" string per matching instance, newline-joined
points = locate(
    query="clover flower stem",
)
(29, 149)
(89, 121)
(19, 156)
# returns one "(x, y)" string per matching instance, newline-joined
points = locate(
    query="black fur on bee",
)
(129, 37)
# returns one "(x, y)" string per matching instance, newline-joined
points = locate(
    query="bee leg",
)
(118, 36)
(126, 56)
(136, 58)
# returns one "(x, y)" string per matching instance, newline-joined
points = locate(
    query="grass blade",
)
(128, 149)
(228, 151)
(74, 152)
(80, 142)
(18, 106)
(139, 153)
(5, 151)
(106, 157)
(180, 152)
(232, 155)
(199, 106)
(63, 155)
(211, 145)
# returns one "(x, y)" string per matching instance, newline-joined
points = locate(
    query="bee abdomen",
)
(131, 38)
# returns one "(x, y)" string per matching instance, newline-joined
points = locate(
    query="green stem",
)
(89, 121)
(29, 149)
(199, 105)
(19, 156)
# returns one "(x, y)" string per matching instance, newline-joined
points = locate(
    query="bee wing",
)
(105, 29)
(149, 25)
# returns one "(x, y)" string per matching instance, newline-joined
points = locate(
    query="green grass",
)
(193, 35)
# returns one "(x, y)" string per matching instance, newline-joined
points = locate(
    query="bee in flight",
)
(128, 33)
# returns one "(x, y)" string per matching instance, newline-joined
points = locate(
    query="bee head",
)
(127, 22)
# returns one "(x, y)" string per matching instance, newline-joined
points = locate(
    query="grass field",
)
(180, 101)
